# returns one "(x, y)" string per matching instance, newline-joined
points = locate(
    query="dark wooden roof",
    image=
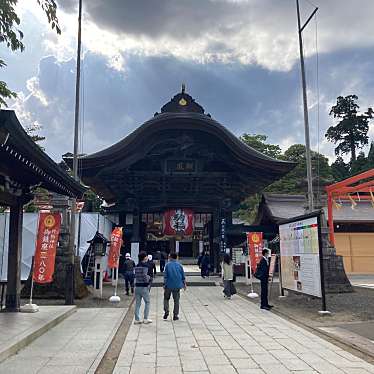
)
(25, 163)
(181, 126)
(277, 207)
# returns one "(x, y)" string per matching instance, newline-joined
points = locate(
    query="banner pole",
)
(30, 307)
(281, 290)
(115, 288)
(252, 294)
(32, 286)
(115, 298)
(247, 282)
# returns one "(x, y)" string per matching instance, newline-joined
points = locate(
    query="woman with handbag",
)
(228, 276)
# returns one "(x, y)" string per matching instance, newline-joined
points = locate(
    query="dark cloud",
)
(261, 26)
(243, 98)
(176, 19)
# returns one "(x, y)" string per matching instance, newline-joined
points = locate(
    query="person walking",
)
(162, 261)
(174, 280)
(262, 273)
(142, 289)
(151, 270)
(228, 276)
(128, 273)
(205, 264)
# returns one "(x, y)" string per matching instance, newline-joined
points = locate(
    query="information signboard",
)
(237, 256)
(300, 251)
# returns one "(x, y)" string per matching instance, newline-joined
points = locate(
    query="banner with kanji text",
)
(178, 222)
(115, 247)
(46, 245)
(255, 247)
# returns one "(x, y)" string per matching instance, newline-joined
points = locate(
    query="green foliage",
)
(92, 202)
(362, 163)
(257, 142)
(295, 181)
(31, 131)
(248, 208)
(12, 36)
(340, 170)
(351, 132)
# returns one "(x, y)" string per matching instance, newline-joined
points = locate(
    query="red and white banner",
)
(178, 221)
(255, 246)
(46, 245)
(115, 247)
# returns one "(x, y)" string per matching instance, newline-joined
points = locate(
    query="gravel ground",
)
(351, 307)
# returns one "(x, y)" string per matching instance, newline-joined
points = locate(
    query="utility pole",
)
(70, 286)
(305, 104)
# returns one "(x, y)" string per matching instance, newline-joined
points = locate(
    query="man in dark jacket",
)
(142, 289)
(263, 274)
(162, 261)
(204, 264)
(151, 270)
(128, 273)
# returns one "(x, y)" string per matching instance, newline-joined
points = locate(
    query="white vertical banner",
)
(135, 251)
(201, 246)
(177, 247)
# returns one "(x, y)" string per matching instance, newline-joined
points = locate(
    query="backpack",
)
(257, 274)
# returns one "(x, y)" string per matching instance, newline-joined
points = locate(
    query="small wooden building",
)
(23, 167)
(354, 227)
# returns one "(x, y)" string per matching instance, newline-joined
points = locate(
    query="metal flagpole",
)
(252, 294)
(69, 295)
(305, 104)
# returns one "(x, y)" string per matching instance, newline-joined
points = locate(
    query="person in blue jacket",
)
(174, 280)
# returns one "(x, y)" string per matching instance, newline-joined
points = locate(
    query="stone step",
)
(19, 329)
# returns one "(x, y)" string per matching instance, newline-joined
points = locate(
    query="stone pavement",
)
(18, 329)
(228, 336)
(362, 280)
(76, 345)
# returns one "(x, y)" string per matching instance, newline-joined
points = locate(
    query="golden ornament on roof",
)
(182, 102)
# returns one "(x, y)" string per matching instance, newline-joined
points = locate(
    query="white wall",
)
(90, 223)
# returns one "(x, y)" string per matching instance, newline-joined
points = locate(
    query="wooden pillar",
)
(330, 218)
(12, 302)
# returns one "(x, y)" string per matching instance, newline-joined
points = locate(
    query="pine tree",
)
(351, 132)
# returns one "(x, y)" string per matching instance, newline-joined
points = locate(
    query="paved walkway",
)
(18, 329)
(76, 345)
(228, 336)
(362, 280)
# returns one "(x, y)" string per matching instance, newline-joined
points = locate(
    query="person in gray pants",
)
(174, 280)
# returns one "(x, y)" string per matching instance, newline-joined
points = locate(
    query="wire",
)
(311, 3)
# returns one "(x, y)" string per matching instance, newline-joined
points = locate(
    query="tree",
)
(258, 142)
(248, 207)
(340, 170)
(295, 181)
(360, 164)
(12, 36)
(31, 132)
(351, 132)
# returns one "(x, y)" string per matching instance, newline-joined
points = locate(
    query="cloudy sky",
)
(238, 58)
